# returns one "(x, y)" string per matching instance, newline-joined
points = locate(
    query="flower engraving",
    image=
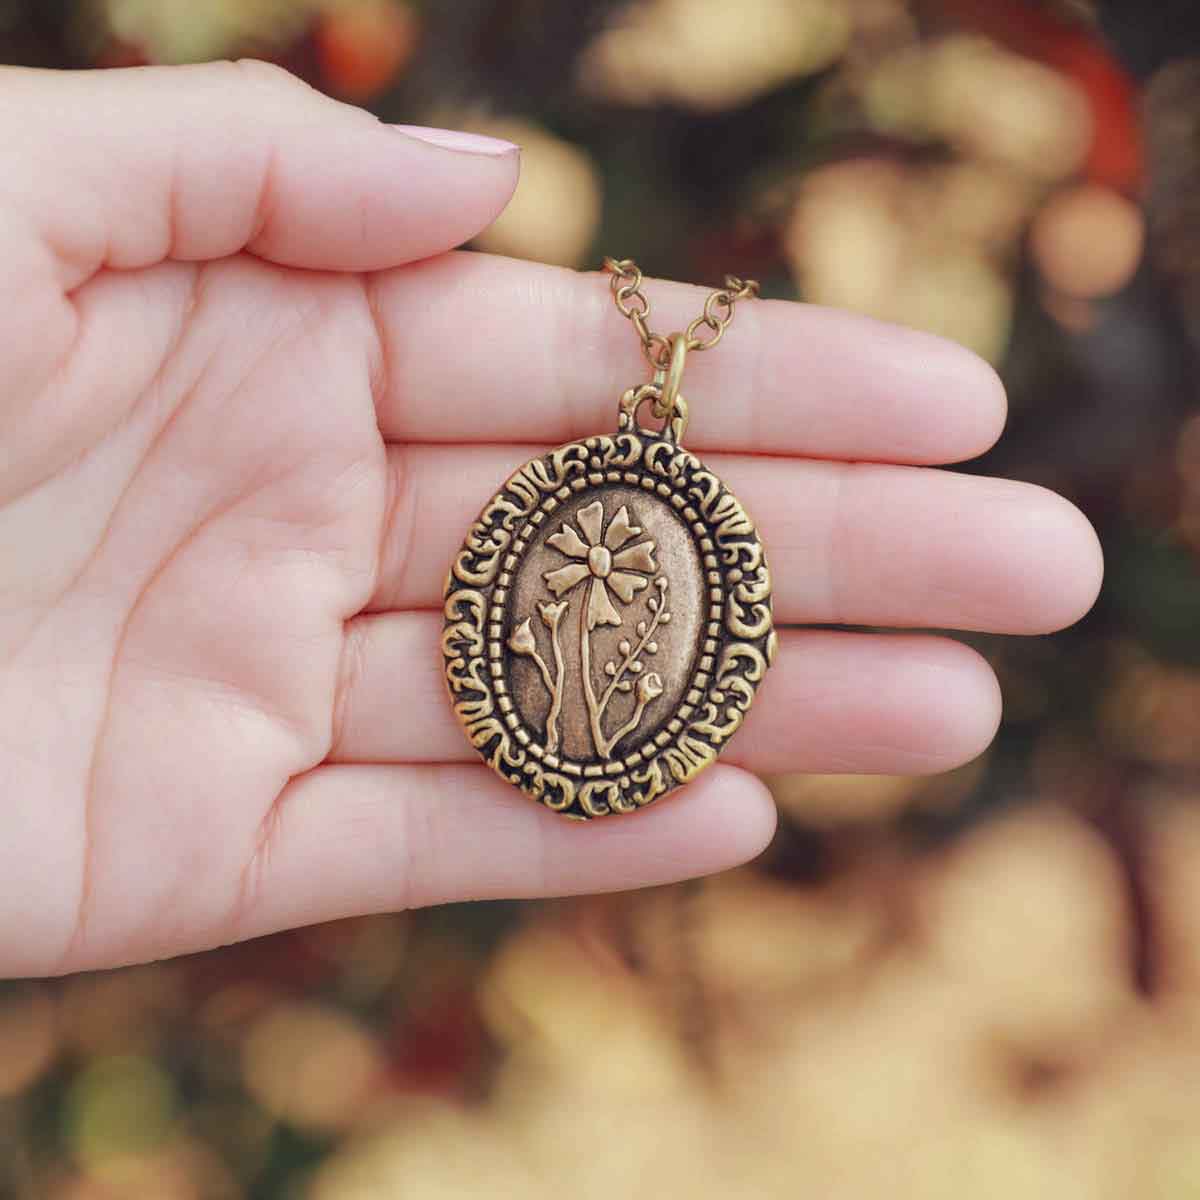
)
(522, 642)
(609, 562)
(650, 687)
(551, 614)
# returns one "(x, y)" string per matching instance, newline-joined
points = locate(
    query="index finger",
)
(485, 349)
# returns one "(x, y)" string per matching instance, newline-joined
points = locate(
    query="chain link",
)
(626, 284)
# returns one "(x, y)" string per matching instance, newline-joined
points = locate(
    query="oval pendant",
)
(607, 621)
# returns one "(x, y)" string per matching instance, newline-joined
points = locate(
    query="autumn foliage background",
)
(985, 984)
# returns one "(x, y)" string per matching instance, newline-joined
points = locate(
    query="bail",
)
(667, 404)
(670, 379)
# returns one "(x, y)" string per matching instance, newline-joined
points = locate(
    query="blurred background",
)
(984, 984)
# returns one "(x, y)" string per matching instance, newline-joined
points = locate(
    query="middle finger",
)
(848, 543)
(834, 702)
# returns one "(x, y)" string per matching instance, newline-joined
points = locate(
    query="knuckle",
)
(265, 76)
(283, 92)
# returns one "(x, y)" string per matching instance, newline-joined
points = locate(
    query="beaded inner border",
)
(736, 643)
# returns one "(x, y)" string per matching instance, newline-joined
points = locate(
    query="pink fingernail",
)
(458, 139)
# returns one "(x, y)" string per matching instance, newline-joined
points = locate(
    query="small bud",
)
(522, 641)
(610, 668)
(641, 628)
(651, 647)
(551, 612)
(636, 668)
(624, 686)
(665, 619)
(624, 647)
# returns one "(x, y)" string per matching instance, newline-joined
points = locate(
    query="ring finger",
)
(834, 702)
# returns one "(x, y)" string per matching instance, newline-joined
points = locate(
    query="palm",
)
(230, 486)
(230, 526)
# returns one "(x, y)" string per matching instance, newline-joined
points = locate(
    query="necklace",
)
(608, 618)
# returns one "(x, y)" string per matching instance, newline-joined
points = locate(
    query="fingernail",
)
(458, 139)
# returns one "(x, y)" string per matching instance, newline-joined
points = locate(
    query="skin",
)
(251, 402)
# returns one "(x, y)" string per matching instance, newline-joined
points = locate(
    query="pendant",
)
(608, 619)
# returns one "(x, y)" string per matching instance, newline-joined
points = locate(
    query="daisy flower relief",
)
(605, 558)
(608, 562)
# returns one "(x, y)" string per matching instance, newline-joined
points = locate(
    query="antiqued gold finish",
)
(626, 283)
(672, 377)
(608, 619)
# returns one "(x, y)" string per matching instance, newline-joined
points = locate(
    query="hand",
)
(241, 441)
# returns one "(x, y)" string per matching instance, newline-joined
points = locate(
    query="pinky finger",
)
(351, 840)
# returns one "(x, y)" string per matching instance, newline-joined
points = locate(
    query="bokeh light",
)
(28, 1038)
(555, 213)
(712, 54)
(310, 1065)
(983, 983)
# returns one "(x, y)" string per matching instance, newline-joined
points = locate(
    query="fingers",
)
(492, 350)
(859, 544)
(833, 702)
(353, 840)
(128, 168)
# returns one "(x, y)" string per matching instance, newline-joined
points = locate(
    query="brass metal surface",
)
(608, 618)
(625, 280)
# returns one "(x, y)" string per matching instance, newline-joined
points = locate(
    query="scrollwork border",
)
(737, 643)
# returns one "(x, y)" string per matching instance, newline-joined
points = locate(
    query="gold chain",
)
(626, 285)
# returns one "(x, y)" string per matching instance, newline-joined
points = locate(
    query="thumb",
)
(127, 168)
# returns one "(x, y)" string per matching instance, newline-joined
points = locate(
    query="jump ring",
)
(658, 351)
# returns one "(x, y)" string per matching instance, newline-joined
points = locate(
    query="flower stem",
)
(545, 670)
(556, 692)
(589, 692)
(629, 725)
(631, 657)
